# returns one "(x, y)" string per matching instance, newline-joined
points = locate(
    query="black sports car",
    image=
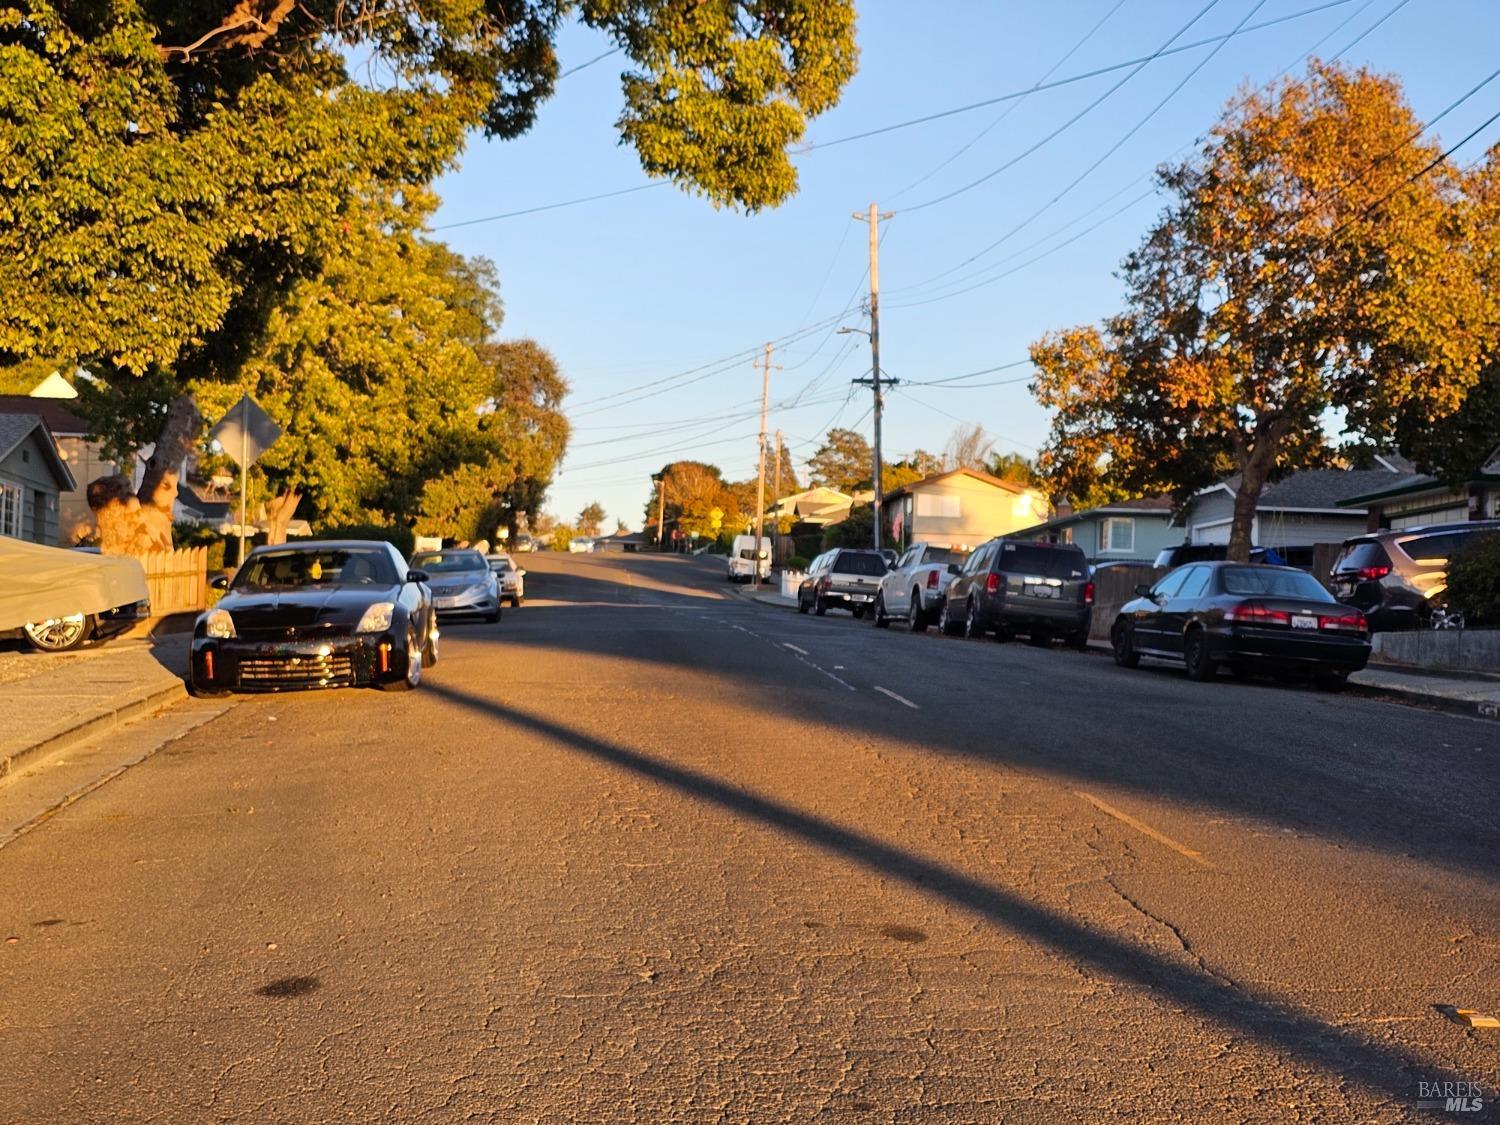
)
(315, 615)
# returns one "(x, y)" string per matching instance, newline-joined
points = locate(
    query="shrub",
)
(1474, 581)
(402, 538)
(856, 531)
(796, 562)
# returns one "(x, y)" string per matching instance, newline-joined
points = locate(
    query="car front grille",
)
(298, 671)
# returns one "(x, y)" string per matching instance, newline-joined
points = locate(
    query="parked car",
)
(58, 600)
(1251, 618)
(747, 560)
(582, 545)
(317, 615)
(462, 583)
(525, 544)
(914, 590)
(844, 578)
(1300, 556)
(511, 577)
(1398, 579)
(1011, 586)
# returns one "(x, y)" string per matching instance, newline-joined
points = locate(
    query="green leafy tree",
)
(1015, 467)
(1312, 258)
(857, 530)
(843, 461)
(1474, 581)
(526, 413)
(591, 519)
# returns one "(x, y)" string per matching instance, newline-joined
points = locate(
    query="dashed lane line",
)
(898, 698)
(794, 648)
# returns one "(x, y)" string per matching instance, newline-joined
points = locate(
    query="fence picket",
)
(177, 580)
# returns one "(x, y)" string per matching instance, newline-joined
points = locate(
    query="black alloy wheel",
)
(919, 617)
(1122, 644)
(972, 628)
(1200, 665)
(882, 621)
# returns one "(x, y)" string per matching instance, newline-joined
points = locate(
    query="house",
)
(75, 521)
(818, 506)
(622, 541)
(961, 506)
(1420, 499)
(32, 477)
(1127, 530)
(1303, 508)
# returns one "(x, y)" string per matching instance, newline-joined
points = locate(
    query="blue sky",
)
(656, 284)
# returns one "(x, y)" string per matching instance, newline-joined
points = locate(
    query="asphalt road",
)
(646, 851)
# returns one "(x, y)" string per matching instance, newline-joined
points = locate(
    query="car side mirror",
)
(221, 582)
(954, 569)
(416, 576)
(521, 572)
(1142, 590)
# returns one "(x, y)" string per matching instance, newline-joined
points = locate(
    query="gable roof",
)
(59, 419)
(1140, 506)
(1008, 485)
(16, 428)
(1319, 489)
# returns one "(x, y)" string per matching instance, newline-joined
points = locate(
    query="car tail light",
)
(1372, 573)
(932, 579)
(992, 584)
(1346, 623)
(824, 583)
(1088, 593)
(1253, 613)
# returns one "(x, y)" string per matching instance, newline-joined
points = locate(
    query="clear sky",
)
(656, 284)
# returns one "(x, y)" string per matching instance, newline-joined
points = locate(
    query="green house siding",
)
(27, 477)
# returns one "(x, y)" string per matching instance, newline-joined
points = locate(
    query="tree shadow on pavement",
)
(1379, 1067)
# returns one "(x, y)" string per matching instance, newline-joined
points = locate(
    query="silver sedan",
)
(461, 582)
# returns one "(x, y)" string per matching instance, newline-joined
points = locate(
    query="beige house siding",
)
(75, 520)
(962, 510)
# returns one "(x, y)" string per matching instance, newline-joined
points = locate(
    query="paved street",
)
(646, 851)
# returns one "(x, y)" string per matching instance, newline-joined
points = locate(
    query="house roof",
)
(16, 428)
(1320, 489)
(916, 485)
(59, 419)
(1140, 506)
(1421, 482)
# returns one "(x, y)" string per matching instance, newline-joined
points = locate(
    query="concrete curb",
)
(92, 726)
(1473, 708)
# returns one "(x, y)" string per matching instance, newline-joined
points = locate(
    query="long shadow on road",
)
(1378, 1067)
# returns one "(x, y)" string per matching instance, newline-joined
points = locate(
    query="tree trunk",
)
(1255, 469)
(179, 433)
(279, 513)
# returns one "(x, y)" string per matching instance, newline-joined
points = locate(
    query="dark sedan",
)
(1246, 617)
(316, 615)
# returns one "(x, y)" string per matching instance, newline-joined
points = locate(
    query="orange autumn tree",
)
(1312, 264)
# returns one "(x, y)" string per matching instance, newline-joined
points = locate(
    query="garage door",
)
(1211, 533)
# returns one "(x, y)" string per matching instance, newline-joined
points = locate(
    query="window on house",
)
(10, 510)
(932, 504)
(1117, 535)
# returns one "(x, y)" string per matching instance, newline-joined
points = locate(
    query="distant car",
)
(1399, 579)
(317, 614)
(1250, 618)
(525, 544)
(845, 577)
(915, 589)
(512, 578)
(58, 600)
(462, 583)
(1011, 586)
(582, 545)
(747, 560)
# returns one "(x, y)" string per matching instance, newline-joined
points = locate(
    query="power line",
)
(1360, 37)
(1112, 67)
(552, 206)
(589, 63)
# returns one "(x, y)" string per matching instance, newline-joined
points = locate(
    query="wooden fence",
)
(178, 580)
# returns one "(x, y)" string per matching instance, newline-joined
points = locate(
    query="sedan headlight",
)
(377, 618)
(219, 624)
(479, 589)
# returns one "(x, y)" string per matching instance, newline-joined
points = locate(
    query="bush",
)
(402, 538)
(796, 562)
(856, 531)
(1474, 581)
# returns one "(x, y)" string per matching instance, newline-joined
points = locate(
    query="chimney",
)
(1064, 507)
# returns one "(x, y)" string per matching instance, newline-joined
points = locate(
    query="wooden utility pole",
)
(661, 511)
(873, 217)
(760, 475)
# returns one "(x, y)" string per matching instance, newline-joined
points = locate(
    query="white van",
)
(745, 562)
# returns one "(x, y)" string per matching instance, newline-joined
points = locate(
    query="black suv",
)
(1020, 586)
(1397, 578)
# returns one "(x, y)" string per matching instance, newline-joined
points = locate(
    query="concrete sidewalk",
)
(86, 696)
(1462, 693)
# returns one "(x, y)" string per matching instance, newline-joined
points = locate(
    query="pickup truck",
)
(914, 590)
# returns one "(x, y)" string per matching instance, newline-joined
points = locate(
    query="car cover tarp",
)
(37, 582)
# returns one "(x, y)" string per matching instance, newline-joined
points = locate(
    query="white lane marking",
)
(799, 655)
(1144, 829)
(794, 648)
(897, 698)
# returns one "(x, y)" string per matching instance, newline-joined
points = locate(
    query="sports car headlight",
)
(377, 618)
(219, 624)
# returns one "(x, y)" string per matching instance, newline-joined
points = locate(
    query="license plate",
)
(859, 597)
(1301, 621)
(1040, 591)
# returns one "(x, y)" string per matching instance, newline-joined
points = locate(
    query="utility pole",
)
(661, 509)
(873, 217)
(760, 474)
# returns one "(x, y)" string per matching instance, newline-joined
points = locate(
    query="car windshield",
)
(500, 564)
(850, 563)
(1270, 581)
(316, 567)
(1049, 562)
(752, 553)
(448, 562)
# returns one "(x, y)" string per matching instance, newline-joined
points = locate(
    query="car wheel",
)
(801, 605)
(858, 612)
(881, 620)
(972, 627)
(492, 618)
(1079, 641)
(1122, 644)
(515, 601)
(59, 634)
(1200, 665)
(200, 691)
(820, 607)
(1441, 617)
(1332, 681)
(432, 653)
(919, 616)
(413, 677)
